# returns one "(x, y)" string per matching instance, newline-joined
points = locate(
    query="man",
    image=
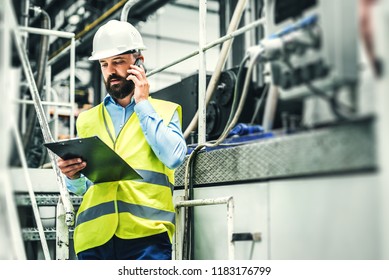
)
(127, 219)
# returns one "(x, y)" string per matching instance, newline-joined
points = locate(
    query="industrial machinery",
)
(326, 54)
(219, 108)
(299, 187)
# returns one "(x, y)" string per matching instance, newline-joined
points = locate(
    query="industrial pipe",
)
(126, 9)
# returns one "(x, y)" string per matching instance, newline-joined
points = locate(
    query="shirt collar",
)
(108, 99)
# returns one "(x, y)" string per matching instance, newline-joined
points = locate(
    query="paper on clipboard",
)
(103, 163)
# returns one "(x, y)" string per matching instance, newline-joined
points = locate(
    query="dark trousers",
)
(155, 247)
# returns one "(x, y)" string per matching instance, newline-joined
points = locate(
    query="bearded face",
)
(118, 87)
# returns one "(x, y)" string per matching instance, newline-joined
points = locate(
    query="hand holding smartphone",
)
(143, 91)
(138, 62)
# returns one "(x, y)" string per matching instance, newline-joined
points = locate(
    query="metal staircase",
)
(31, 213)
(47, 203)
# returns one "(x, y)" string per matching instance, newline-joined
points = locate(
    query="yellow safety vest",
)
(131, 208)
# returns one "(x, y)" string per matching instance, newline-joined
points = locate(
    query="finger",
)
(137, 69)
(71, 170)
(134, 75)
(64, 163)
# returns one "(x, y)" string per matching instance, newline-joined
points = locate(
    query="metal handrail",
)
(72, 49)
(44, 103)
(12, 245)
(203, 202)
(202, 79)
(44, 124)
(210, 45)
(65, 199)
(34, 204)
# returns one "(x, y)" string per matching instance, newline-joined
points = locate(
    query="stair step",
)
(32, 234)
(23, 199)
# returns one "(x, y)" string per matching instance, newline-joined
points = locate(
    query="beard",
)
(121, 89)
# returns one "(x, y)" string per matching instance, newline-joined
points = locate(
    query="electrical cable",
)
(188, 243)
(259, 103)
(242, 99)
(342, 111)
(237, 88)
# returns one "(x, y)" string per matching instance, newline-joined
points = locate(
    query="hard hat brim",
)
(110, 53)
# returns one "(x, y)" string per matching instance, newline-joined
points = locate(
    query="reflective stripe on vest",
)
(134, 209)
(155, 178)
(95, 212)
(146, 212)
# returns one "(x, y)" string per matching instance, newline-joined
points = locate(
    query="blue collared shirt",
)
(167, 142)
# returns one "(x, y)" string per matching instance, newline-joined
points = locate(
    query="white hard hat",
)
(115, 37)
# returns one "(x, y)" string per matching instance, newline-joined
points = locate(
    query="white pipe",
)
(62, 234)
(235, 33)
(24, 114)
(25, 20)
(270, 108)
(126, 9)
(227, 17)
(48, 88)
(46, 103)
(42, 31)
(230, 217)
(60, 54)
(55, 116)
(202, 84)
(72, 86)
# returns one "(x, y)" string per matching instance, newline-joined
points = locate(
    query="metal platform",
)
(348, 147)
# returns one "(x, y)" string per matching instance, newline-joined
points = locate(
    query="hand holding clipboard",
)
(103, 163)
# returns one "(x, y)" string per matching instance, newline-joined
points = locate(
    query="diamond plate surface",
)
(335, 149)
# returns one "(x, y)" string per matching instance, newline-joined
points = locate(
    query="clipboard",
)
(103, 163)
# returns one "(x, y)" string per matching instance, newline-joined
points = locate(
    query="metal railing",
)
(72, 67)
(68, 215)
(229, 201)
(11, 241)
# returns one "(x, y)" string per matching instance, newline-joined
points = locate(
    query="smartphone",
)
(138, 62)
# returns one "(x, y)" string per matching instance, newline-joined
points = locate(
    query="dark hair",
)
(136, 53)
